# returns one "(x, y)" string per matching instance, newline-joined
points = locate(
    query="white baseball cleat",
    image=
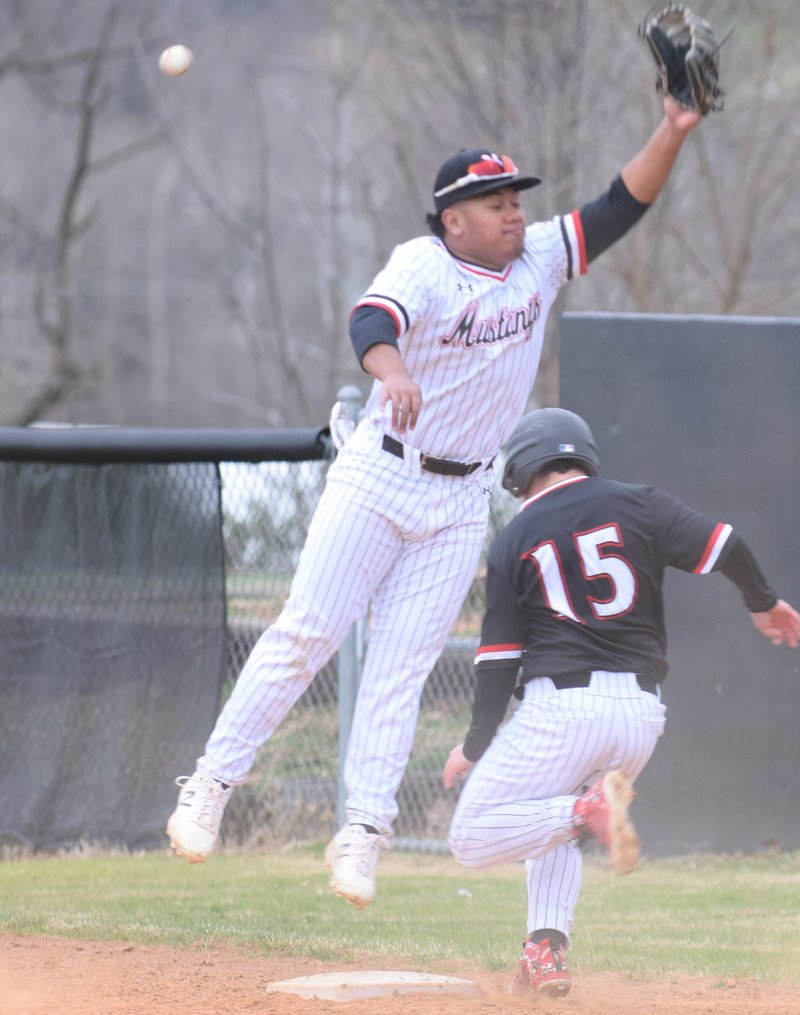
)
(193, 826)
(352, 855)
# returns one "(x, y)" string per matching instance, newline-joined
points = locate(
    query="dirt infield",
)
(57, 976)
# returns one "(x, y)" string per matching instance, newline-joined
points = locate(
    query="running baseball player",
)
(575, 622)
(451, 330)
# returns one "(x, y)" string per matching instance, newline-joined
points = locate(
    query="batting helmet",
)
(543, 436)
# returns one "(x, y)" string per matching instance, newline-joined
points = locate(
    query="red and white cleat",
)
(601, 813)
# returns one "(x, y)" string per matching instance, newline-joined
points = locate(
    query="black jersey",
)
(574, 581)
(574, 585)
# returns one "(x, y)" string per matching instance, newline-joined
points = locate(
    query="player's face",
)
(488, 230)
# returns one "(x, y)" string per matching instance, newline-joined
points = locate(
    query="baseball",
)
(175, 60)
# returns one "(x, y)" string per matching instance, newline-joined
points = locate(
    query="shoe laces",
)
(209, 799)
(361, 847)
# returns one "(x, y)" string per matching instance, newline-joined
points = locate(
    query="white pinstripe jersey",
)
(470, 337)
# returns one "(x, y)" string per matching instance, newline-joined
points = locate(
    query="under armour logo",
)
(465, 287)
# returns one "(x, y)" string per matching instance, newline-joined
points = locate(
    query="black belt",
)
(565, 680)
(443, 466)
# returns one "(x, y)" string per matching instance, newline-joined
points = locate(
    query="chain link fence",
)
(264, 508)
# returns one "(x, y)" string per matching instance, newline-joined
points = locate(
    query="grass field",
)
(714, 916)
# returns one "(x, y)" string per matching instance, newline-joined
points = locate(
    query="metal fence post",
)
(351, 652)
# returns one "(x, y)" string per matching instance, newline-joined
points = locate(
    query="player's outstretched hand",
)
(781, 624)
(456, 767)
(682, 119)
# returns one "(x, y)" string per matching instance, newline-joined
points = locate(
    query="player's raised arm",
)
(647, 172)
(606, 219)
(686, 53)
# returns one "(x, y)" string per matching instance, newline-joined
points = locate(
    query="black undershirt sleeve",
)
(371, 326)
(609, 217)
(740, 566)
(493, 689)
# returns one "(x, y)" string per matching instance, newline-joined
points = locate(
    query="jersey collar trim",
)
(476, 269)
(556, 486)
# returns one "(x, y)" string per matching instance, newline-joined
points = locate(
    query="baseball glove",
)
(686, 51)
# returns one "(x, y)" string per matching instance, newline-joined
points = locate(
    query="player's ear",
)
(453, 220)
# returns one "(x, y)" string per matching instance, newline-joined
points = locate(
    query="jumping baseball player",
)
(451, 330)
(575, 621)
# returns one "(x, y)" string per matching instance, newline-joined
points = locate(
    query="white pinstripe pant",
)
(385, 534)
(518, 801)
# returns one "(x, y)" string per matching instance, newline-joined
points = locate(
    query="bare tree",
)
(53, 301)
(186, 252)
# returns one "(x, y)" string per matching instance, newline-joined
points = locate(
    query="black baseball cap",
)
(474, 171)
